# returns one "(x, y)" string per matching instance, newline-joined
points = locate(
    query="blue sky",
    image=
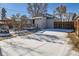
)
(13, 8)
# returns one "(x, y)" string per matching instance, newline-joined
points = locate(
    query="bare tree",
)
(69, 16)
(61, 10)
(13, 17)
(74, 15)
(18, 16)
(23, 21)
(37, 9)
(23, 17)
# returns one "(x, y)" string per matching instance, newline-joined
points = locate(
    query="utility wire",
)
(13, 10)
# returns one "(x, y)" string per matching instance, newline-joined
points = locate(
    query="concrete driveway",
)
(41, 43)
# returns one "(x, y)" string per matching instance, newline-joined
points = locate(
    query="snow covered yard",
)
(41, 43)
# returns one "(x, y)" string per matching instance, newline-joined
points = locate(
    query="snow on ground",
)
(42, 43)
(18, 46)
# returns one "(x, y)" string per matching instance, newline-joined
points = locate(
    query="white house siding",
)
(40, 22)
(50, 23)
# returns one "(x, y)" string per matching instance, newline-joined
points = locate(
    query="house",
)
(39, 22)
(43, 22)
(50, 21)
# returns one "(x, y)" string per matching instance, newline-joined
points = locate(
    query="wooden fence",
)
(76, 26)
(64, 25)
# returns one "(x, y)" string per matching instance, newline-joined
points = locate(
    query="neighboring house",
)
(8, 22)
(4, 29)
(16, 24)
